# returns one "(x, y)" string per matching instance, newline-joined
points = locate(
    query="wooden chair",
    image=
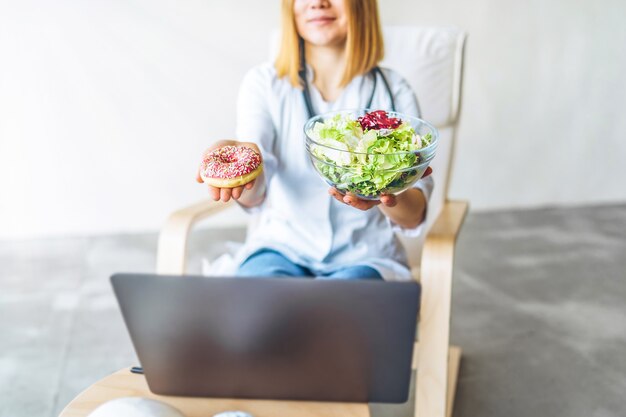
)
(431, 59)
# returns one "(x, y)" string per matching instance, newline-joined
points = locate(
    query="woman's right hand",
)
(225, 194)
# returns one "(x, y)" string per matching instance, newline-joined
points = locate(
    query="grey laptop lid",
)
(272, 338)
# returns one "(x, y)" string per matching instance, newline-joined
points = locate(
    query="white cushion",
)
(135, 407)
(429, 59)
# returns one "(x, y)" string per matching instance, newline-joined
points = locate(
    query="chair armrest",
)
(172, 249)
(434, 323)
(449, 222)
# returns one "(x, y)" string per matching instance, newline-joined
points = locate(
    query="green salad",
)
(369, 155)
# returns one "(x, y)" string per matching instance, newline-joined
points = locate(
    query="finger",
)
(214, 192)
(236, 192)
(349, 198)
(335, 194)
(225, 194)
(428, 171)
(333, 191)
(353, 201)
(361, 204)
(389, 200)
(366, 205)
(249, 185)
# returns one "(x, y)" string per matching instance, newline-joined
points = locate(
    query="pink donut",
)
(231, 166)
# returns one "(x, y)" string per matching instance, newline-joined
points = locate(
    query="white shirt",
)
(298, 217)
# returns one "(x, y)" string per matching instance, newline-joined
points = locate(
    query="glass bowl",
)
(365, 163)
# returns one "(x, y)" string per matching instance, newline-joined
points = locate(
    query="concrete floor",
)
(538, 308)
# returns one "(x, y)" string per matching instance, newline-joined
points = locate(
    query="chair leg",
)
(454, 362)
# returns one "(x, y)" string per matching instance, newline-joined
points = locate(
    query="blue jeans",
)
(270, 263)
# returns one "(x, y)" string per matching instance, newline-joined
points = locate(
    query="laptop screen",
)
(272, 338)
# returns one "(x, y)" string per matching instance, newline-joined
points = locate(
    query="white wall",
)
(542, 121)
(105, 106)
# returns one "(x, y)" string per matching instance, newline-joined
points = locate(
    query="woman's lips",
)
(321, 20)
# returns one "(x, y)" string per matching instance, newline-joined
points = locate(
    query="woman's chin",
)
(325, 39)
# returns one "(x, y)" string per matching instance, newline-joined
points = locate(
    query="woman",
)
(327, 61)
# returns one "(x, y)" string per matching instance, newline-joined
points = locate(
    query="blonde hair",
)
(364, 43)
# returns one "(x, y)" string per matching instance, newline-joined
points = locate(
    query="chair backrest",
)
(431, 60)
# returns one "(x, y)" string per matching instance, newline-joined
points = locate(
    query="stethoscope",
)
(306, 93)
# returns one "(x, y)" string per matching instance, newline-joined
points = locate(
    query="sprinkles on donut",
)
(231, 166)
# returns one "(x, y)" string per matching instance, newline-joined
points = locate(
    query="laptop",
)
(272, 338)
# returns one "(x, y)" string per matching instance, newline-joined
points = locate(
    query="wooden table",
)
(123, 383)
